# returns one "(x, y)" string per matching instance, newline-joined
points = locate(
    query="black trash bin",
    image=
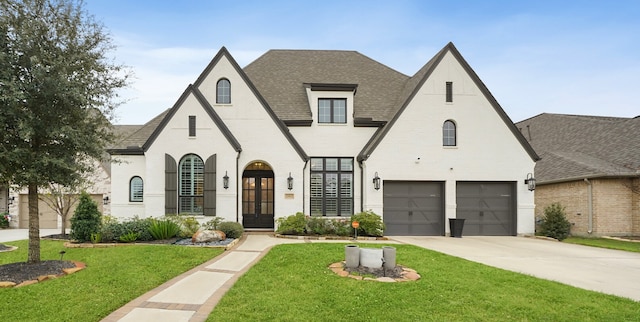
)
(456, 225)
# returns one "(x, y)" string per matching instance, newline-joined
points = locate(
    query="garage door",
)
(489, 208)
(413, 208)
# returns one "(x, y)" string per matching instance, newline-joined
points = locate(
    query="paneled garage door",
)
(489, 208)
(413, 208)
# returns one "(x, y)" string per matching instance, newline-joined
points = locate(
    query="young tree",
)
(57, 95)
(61, 199)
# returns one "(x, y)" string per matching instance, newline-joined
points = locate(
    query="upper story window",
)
(223, 91)
(136, 189)
(332, 110)
(449, 92)
(449, 133)
(192, 125)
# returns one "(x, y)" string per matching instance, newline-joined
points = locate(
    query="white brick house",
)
(331, 133)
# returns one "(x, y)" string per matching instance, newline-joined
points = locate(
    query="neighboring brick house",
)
(591, 165)
(331, 133)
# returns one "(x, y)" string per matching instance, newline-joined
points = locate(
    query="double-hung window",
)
(331, 186)
(191, 185)
(332, 110)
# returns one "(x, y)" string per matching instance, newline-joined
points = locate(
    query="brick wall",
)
(616, 207)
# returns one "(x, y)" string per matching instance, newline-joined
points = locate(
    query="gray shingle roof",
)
(582, 146)
(280, 75)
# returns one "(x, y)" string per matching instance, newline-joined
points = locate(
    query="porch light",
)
(11, 200)
(225, 180)
(530, 181)
(105, 200)
(376, 182)
(290, 182)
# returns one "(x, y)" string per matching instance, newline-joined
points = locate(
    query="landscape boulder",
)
(205, 236)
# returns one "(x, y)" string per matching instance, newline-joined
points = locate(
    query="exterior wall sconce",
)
(225, 180)
(105, 200)
(290, 182)
(11, 200)
(530, 181)
(376, 182)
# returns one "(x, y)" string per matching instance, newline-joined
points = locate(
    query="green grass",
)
(293, 283)
(113, 277)
(605, 243)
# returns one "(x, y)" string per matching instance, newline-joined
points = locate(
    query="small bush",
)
(231, 229)
(4, 220)
(113, 230)
(213, 223)
(370, 224)
(188, 224)
(319, 226)
(164, 229)
(292, 225)
(129, 237)
(96, 238)
(86, 219)
(342, 227)
(554, 223)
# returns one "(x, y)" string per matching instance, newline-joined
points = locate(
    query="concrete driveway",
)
(7, 235)
(602, 270)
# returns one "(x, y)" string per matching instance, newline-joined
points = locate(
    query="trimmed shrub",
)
(319, 226)
(554, 223)
(342, 227)
(86, 219)
(231, 229)
(112, 230)
(292, 225)
(370, 224)
(163, 229)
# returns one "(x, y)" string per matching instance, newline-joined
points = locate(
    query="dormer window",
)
(332, 110)
(223, 91)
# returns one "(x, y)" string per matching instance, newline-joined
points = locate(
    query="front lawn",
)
(293, 283)
(605, 243)
(114, 276)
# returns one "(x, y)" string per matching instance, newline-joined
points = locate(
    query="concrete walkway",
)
(597, 269)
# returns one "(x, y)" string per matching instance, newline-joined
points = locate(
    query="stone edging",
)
(408, 274)
(330, 237)
(65, 271)
(106, 245)
(9, 248)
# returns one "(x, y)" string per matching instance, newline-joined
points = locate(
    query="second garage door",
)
(489, 208)
(413, 208)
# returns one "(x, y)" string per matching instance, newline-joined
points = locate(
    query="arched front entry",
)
(257, 196)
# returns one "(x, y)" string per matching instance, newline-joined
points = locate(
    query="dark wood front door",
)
(257, 199)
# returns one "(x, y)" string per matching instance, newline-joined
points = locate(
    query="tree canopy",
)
(58, 92)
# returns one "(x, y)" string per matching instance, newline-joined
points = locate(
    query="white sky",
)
(580, 57)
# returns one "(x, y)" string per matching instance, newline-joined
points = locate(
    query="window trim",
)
(220, 95)
(446, 134)
(132, 191)
(332, 113)
(448, 92)
(339, 172)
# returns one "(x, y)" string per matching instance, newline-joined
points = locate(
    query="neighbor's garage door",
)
(489, 208)
(413, 208)
(48, 216)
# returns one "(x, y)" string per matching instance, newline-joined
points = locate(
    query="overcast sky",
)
(571, 57)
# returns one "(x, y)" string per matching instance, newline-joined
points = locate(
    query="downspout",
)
(237, 187)
(590, 204)
(304, 177)
(360, 163)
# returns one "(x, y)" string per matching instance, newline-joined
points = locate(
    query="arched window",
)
(136, 189)
(449, 133)
(223, 91)
(191, 185)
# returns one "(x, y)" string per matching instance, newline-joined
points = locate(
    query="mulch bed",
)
(20, 272)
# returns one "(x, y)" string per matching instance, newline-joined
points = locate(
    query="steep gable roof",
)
(415, 83)
(574, 147)
(280, 76)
